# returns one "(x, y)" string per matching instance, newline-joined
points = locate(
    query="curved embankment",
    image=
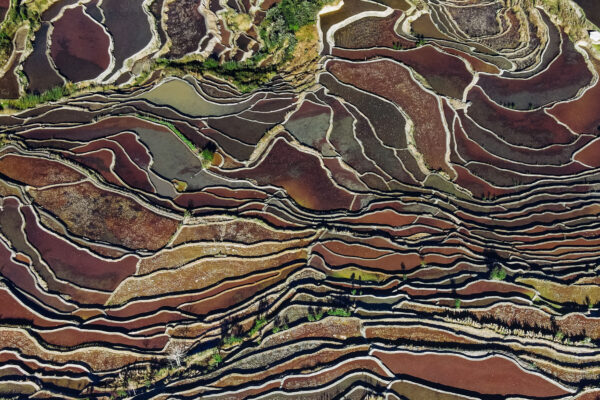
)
(421, 223)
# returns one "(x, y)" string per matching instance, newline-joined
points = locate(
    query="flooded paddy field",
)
(293, 199)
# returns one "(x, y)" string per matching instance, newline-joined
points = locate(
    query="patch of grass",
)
(280, 328)
(246, 75)
(286, 18)
(315, 317)
(498, 274)
(231, 340)
(457, 303)
(180, 186)
(32, 100)
(216, 358)
(339, 312)
(207, 154)
(360, 275)
(259, 323)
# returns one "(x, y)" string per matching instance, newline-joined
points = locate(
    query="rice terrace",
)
(300, 199)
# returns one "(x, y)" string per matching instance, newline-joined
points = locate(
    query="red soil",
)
(74, 264)
(580, 115)
(100, 161)
(13, 309)
(330, 375)
(134, 148)
(283, 166)
(70, 337)
(561, 80)
(388, 263)
(477, 64)
(446, 73)
(371, 32)
(488, 376)
(203, 199)
(37, 172)
(469, 150)
(382, 217)
(588, 155)
(534, 128)
(104, 215)
(477, 186)
(161, 317)
(103, 128)
(124, 167)
(415, 333)
(80, 47)
(244, 290)
(240, 194)
(421, 106)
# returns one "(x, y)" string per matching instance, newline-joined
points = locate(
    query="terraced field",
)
(292, 199)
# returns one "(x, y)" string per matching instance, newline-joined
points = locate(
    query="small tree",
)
(177, 353)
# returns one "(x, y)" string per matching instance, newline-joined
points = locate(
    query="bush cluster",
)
(282, 22)
(32, 100)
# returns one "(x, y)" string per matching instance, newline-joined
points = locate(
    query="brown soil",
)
(103, 215)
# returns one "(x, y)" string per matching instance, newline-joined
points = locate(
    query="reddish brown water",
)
(79, 46)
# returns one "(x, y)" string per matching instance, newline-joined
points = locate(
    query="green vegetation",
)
(498, 274)
(176, 131)
(278, 32)
(456, 303)
(314, 314)
(280, 324)
(16, 16)
(420, 40)
(216, 358)
(564, 13)
(360, 275)
(282, 22)
(180, 186)
(259, 323)
(397, 46)
(32, 100)
(339, 312)
(231, 340)
(280, 328)
(246, 75)
(207, 154)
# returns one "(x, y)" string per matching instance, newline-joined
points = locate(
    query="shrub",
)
(216, 358)
(498, 274)
(231, 340)
(32, 100)
(339, 312)
(287, 17)
(207, 154)
(259, 323)
(210, 63)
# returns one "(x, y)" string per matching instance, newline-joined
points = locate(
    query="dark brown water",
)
(592, 10)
